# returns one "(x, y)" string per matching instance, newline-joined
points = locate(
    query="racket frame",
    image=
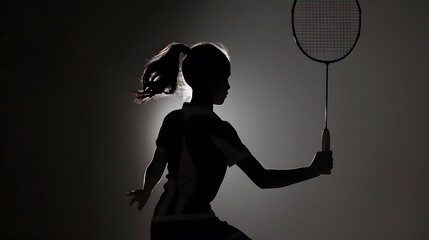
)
(324, 61)
(325, 134)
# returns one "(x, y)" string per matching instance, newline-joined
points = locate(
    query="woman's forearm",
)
(268, 178)
(282, 178)
(154, 171)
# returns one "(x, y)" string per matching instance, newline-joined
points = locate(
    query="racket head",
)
(326, 31)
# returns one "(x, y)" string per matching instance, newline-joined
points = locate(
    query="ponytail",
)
(161, 72)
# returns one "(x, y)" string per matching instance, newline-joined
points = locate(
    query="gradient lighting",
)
(69, 156)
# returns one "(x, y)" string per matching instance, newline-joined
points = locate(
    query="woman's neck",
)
(201, 101)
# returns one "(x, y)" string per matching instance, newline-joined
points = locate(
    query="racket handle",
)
(326, 140)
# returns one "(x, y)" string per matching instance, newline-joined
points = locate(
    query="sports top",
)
(199, 146)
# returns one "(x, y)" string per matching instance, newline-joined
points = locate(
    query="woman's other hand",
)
(139, 195)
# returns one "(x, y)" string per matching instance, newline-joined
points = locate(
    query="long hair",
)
(161, 72)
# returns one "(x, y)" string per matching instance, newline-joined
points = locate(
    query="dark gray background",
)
(73, 143)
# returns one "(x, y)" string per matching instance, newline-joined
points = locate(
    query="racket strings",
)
(326, 30)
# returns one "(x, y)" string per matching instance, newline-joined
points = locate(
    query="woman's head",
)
(205, 68)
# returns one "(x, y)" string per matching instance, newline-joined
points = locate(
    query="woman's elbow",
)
(262, 186)
(267, 180)
(265, 185)
(262, 182)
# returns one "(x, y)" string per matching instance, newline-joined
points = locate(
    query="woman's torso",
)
(194, 140)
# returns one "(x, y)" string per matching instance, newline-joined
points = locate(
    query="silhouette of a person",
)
(197, 146)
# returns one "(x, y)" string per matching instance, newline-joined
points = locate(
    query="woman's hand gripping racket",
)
(326, 31)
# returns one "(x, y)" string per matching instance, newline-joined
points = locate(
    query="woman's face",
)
(220, 90)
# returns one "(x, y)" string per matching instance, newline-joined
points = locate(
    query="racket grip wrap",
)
(326, 140)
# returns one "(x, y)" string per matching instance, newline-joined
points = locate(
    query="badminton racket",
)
(326, 31)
